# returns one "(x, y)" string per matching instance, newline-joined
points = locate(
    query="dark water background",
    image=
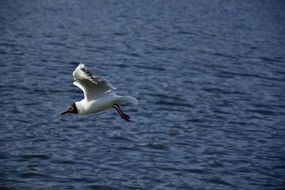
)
(209, 76)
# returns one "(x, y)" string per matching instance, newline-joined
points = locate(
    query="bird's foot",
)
(125, 118)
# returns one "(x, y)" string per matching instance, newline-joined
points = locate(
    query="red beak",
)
(64, 112)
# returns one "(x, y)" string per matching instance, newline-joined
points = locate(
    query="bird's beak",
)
(66, 111)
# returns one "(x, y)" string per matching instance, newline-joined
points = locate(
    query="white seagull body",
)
(99, 94)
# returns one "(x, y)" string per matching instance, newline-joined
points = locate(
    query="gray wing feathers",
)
(92, 86)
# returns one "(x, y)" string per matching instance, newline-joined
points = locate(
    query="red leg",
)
(123, 116)
(122, 113)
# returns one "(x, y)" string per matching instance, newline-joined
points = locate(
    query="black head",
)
(71, 109)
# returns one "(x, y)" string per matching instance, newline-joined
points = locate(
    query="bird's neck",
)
(80, 108)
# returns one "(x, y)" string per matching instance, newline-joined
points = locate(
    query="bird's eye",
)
(70, 108)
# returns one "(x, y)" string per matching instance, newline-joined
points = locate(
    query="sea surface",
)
(209, 75)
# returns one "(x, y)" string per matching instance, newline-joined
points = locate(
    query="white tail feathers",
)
(128, 99)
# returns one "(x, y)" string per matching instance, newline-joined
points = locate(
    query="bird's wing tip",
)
(81, 65)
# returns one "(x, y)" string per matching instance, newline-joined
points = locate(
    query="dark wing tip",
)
(86, 72)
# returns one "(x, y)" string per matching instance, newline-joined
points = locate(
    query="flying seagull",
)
(99, 94)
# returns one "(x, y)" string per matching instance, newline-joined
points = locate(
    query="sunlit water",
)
(209, 76)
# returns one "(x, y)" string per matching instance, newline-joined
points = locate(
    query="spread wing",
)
(92, 86)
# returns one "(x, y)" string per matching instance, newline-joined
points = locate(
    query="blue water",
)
(209, 76)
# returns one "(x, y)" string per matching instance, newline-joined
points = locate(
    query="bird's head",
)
(71, 109)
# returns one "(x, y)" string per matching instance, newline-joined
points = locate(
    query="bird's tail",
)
(128, 99)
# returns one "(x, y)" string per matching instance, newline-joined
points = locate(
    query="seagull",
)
(99, 94)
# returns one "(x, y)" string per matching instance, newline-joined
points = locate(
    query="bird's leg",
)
(123, 115)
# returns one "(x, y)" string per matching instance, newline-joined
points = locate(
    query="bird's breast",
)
(98, 105)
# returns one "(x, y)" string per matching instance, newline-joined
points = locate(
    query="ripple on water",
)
(211, 95)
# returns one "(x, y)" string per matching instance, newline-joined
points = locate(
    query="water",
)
(209, 76)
